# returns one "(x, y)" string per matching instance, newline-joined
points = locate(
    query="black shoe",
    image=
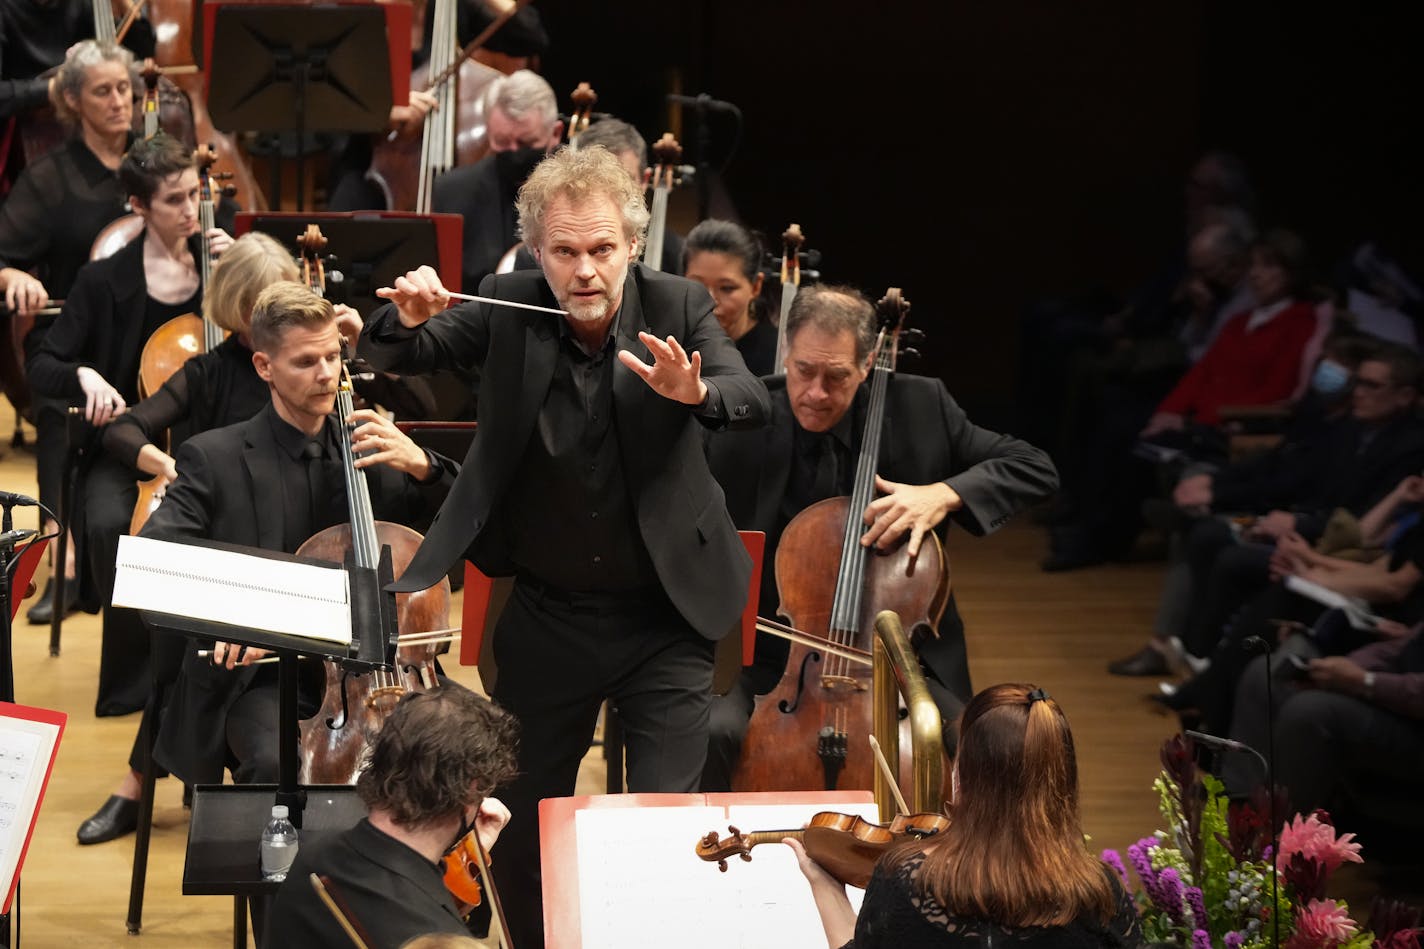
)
(1147, 661)
(42, 613)
(118, 816)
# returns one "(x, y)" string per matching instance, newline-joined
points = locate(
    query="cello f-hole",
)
(789, 708)
(340, 720)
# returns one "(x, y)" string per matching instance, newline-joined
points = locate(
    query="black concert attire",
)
(758, 348)
(394, 892)
(259, 483)
(593, 491)
(107, 317)
(772, 475)
(522, 37)
(897, 914)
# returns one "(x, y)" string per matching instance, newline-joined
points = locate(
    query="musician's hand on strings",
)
(673, 374)
(102, 402)
(232, 655)
(406, 120)
(907, 508)
(490, 820)
(219, 241)
(23, 291)
(348, 324)
(377, 440)
(418, 296)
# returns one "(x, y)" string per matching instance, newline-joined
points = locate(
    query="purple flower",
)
(1200, 939)
(1169, 885)
(1114, 859)
(1233, 940)
(1198, 905)
(1142, 863)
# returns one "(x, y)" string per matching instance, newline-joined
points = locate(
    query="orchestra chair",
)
(78, 444)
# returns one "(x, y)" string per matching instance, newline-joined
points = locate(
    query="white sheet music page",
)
(223, 586)
(641, 882)
(25, 751)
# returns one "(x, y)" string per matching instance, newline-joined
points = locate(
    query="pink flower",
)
(1315, 839)
(1321, 924)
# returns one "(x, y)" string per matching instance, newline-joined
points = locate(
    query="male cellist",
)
(269, 482)
(935, 465)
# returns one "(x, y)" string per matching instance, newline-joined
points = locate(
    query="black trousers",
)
(560, 656)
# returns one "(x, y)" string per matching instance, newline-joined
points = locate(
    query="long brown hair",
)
(1014, 853)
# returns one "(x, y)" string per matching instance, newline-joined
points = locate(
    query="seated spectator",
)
(1341, 720)
(1260, 357)
(1255, 485)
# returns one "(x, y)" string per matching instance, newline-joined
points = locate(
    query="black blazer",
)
(682, 517)
(226, 479)
(926, 438)
(100, 326)
(473, 192)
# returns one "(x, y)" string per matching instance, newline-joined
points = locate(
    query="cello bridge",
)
(841, 685)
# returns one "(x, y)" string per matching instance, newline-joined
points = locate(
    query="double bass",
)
(353, 707)
(809, 732)
(666, 153)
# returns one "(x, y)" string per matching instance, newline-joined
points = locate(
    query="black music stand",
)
(368, 249)
(300, 68)
(373, 646)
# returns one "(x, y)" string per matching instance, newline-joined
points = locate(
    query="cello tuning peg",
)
(913, 334)
(909, 352)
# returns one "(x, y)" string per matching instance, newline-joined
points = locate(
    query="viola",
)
(847, 846)
(809, 732)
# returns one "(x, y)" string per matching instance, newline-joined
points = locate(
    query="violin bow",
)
(343, 916)
(889, 777)
(474, 45)
(496, 907)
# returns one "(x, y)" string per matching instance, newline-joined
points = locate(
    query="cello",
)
(333, 742)
(809, 732)
(454, 134)
(791, 241)
(667, 153)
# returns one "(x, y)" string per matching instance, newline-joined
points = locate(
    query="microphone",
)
(11, 538)
(704, 101)
(1222, 744)
(11, 499)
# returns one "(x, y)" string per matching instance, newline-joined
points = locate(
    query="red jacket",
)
(1241, 368)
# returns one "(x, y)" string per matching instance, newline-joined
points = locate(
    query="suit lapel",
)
(259, 450)
(629, 390)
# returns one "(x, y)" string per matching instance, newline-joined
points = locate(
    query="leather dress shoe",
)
(118, 816)
(1147, 661)
(42, 613)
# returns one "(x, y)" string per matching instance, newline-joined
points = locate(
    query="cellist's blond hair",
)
(254, 262)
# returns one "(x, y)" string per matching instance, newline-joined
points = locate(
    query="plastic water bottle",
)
(279, 845)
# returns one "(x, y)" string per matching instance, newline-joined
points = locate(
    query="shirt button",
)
(593, 514)
(597, 559)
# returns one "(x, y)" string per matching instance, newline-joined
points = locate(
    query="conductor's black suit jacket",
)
(682, 517)
(926, 438)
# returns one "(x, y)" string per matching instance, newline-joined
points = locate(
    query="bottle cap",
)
(279, 811)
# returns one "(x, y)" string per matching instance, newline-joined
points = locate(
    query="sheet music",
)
(642, 884)
(26, 748)
(224, 586)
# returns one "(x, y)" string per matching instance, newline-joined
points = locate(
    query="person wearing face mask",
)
(588, 484)
(522, 116)
(427, 783)
(1347, 447)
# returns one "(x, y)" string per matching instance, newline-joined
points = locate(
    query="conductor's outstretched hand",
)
(673, 374)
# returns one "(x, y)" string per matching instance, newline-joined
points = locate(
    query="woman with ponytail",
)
(1013, 868)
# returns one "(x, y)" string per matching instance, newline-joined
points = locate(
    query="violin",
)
(465, 865)
(847, 846)
(664, 177)
(809, 732)
(333, 741)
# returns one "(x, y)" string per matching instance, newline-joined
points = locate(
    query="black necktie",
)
(316, 485)
(825, 483)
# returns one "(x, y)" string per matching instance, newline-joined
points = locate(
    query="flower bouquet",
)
(1207, 880)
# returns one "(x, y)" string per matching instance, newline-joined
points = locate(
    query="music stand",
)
(373, 645)
(294, 67)
(369, 249)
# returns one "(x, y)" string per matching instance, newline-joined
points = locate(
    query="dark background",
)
(982, 156)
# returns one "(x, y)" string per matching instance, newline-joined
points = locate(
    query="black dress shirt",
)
(572, 475)
(313, 486)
